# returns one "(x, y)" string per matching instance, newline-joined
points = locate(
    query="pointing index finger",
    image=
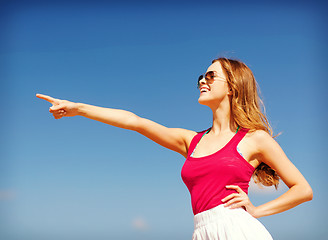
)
(47, 98)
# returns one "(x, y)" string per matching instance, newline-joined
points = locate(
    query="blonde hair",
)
(246, 111)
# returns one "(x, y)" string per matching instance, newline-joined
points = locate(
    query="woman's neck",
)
(223, 121)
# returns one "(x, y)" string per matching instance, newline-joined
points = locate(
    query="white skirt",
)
(221, 223)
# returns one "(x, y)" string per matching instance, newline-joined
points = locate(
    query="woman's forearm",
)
(293, 197)
(115, 117)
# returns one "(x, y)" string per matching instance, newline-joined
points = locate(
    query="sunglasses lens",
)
(209, 75)
(199, 79)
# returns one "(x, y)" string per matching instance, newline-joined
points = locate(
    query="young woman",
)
(220, 160)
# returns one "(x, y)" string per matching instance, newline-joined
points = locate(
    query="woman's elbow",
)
(308, 193)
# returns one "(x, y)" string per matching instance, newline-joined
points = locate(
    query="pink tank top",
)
(206, 177)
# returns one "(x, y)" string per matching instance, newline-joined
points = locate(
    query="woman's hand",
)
(239, 199)
(60, 108)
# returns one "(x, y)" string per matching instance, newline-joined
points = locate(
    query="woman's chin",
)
(203, 101)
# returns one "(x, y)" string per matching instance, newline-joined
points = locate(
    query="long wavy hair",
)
(246, 110)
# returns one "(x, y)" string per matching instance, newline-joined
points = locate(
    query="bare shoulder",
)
(268, 149)
(259, 135)
(261, 139)
(188, 135)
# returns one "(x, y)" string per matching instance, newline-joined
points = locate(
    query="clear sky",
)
(75, 178)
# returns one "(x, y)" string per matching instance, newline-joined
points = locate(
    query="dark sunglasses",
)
(209, 77)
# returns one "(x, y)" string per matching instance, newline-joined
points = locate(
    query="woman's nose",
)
(202, 81)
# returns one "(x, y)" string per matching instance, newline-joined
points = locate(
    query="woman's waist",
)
(207, 198)
(217, 214)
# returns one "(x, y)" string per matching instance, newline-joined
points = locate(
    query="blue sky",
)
(78, 179)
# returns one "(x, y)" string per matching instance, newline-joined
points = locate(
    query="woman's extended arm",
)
(176, 139)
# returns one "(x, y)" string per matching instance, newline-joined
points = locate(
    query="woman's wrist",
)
(255, 212)
(80, 109)
(259, 211)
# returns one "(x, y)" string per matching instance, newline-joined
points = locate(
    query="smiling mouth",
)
(204, 90)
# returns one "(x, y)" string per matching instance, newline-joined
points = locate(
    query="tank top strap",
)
(195, 141)
(239, 136)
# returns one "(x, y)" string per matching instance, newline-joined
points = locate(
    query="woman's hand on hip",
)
(60, 108)
(239, 199)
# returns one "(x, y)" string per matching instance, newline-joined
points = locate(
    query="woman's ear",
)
(230, 91)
